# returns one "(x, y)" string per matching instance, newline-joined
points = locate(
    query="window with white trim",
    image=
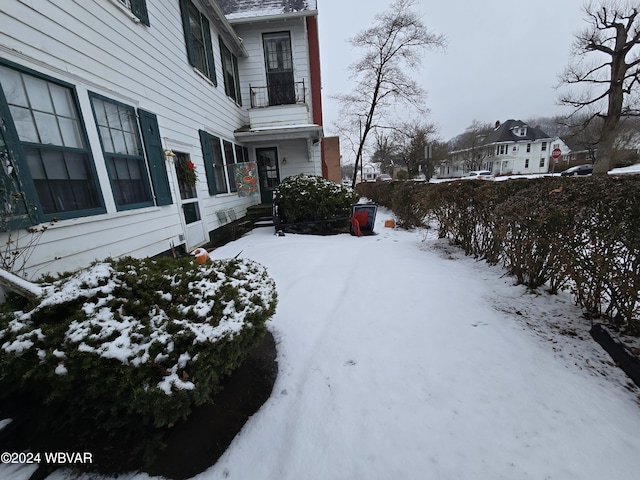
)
(197, 34)
(220, 162)
(230, 73)
(137, 8)
(230, 161)
(123, 153)
(57, 173)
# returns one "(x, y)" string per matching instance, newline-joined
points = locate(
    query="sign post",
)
(555, 154)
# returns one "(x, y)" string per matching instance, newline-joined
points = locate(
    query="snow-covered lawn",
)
(402, 359)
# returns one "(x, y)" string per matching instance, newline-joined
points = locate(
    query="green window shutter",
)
(139, 9)
(206, 30)
(186, 26)
(234, 59)
(208, 162)
(223, 57)
(155, 157)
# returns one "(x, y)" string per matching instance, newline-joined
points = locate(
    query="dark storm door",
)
(268, 173)
(279, 64)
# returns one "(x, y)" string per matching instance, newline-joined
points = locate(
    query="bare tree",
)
(553, 126)
(385, 151)
(391, 48)
(410, 140)
(470, 145)
(612, 80)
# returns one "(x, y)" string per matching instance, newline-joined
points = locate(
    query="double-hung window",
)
(229, 161)
(242, 154)
(138, 8)
(44, 128)
(219, 162)
(120, 138)
(230, 71)
(197, 35)
(213, 163)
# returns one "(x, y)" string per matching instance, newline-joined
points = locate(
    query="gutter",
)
(272, 17)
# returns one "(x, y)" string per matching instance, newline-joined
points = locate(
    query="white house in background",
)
(108, 106)
(369, 172)
(513, 147)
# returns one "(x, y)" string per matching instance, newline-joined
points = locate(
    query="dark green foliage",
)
(580, 234)
(406, 199)
(129, 346)
(304, 198)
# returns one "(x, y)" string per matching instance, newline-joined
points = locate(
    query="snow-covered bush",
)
(305, 198)
(133, 344)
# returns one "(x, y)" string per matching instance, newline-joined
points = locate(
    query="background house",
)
(513, 147)
(109, 106)
(369, 172)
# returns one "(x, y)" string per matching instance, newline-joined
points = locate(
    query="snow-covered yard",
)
(402, 359)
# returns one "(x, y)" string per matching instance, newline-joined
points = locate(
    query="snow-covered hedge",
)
(305, 198)
(133, 343)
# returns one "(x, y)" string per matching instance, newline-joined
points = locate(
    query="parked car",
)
(383, 177)
(480, 175)
(578, 170)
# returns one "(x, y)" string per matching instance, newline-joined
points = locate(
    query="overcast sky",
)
(502, 61)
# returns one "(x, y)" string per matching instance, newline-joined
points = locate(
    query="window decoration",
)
(247, 179)
(186, 171)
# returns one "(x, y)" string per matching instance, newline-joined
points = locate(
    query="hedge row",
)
(576, 234)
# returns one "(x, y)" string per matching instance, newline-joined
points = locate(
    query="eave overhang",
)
(269, 134)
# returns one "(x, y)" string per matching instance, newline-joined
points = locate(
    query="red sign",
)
(555, 154)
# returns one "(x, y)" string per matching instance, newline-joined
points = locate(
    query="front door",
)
(267, 159)
(192, 221)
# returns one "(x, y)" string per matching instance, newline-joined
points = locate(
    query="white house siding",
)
(296, 154)
(297, 114)
(302, 156)
(514, 162)
(252, 68)
(98, 48)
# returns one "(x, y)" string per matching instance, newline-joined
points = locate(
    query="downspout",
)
(316, 84)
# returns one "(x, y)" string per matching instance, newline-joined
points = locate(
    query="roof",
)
(505, 133)
(252, 9)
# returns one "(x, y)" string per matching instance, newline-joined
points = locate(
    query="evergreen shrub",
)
(128, 346)
(311, 199)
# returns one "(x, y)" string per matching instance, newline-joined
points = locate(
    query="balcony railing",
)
(283, 94)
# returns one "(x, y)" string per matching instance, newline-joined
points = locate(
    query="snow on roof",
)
(235, 9)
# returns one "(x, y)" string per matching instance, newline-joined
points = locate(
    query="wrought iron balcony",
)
(279, 94)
